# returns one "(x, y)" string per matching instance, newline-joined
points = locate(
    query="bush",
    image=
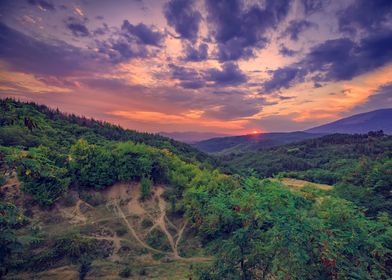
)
(93, 199)
(145, 185)
(126, 272)
(142, 272)
(85, 266)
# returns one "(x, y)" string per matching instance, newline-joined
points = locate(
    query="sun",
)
(255, 132)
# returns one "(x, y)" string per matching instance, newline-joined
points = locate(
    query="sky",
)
(222, 66)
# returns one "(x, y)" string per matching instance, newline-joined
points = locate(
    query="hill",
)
(30, 125)
(81, 199)
(341, 159)
(251, 142)
(360, 123)
(191, 136)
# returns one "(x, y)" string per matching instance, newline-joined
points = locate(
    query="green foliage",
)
(10, 220)
(41, 178)
(126, 272)
(145, 187)
(93, 199)
(91, 166)
(263, 229)
(360, 166)
(85, 266)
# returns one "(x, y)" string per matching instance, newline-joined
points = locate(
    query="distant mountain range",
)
(191, 137)
(233, 144)
(360, 123)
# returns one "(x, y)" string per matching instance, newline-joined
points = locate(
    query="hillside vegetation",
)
(78, 202)
(360, 166)
(251, 142)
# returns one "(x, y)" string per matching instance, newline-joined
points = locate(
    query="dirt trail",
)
(156, 212)
(161, 221)
(75, 215)
(118, 211)
(298, 184)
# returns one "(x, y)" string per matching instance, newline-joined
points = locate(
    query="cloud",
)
(183, 17)
(335, 60)
(194, 54)
(382, 98)
(229, 75)
(284, 78)
(142, 33)
(370, 16)
(283, 50)
(42, 4)
(239, 29)
(25, 54)
(189, 78)
(296, 27)
(312, 6)
(77, 27)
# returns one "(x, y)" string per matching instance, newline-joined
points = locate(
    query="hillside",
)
(81, 200)
(341, 159)
(31, 125)
(191, 137)
(361, 123)
(251, 142)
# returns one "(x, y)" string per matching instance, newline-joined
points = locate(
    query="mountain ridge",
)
(356, 124)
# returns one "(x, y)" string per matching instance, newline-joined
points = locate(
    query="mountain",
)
(191, 136)
(251, 142)
(360, 123)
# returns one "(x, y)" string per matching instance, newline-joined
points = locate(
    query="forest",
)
(248, 224)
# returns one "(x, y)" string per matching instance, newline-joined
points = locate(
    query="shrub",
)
(126, 272)
(145, 184)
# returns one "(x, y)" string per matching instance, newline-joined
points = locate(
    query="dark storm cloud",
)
(189, 78)
(238, 29)
(233, 110)
(30, 55)
(77, 28)
(296, 27)
(183, 17)
(103, 30)
(45, 5)
(312, 6)
(335, 60)
(195, 54)
(192, 84)
(142, 33)
(283, 50)
(229, 75)
(371, 16)
(284, 78)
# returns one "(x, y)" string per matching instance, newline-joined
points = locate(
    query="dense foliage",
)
(358, 164)
(255, 229)
(261, 229)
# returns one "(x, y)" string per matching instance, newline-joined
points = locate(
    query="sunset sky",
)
(229, 66)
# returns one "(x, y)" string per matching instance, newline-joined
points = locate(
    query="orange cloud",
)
(191, 118)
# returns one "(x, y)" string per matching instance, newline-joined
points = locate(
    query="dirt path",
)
(161, 221)
(298, 184)
(155, 209)
(75, 216)
(118, 211)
